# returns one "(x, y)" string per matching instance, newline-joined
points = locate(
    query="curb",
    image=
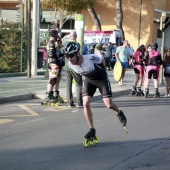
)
(38, 96)
(6, 75)
(16, 98)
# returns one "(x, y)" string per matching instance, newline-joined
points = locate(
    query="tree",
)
(94, 17)
(10, 47)
(64, 9)
(119, 17)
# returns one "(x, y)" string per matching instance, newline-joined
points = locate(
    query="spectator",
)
(98, 50)
(122, 55)
(108, 47)
(85, 49)
(166, 65)
(131, 50)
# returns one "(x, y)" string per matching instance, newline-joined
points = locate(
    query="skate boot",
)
(146, 93)
(58, 97)
(54, 100)
(123, 120)
(90, 138)
(134, 91)
(49, 96)
(139, 92)
(48, 99)
(157, 94)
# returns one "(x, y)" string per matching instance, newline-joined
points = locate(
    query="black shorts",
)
(166, 75)
(102, 84)
(153, 73)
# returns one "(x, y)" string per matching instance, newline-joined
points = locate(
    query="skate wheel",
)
(96, 140)
(52, 104)
(86, 143)
(92, 142)
(126, 129)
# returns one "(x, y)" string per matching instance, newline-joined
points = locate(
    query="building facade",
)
(140, 18)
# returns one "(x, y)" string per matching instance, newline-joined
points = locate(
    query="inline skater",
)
(137, 62)
(154, 60)
(53, 65)
(90, 66)
(61, 63)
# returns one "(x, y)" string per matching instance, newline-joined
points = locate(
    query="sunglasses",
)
(70, 55)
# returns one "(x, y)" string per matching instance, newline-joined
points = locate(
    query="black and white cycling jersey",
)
(90, 67)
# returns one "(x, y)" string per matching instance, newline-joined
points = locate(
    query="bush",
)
(10, 47)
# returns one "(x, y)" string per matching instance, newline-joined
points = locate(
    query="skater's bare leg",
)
(140, 80)
(155, 83)
(136, 80)
(87, 110)
(167, 84)
(111, 105)
(56, 86)
(147, 82)
(123, 75)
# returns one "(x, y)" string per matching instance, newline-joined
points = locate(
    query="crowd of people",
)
(145, 61)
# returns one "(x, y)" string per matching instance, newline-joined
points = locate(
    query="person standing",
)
(91, 66)
(98, 50)
(154, 60)
(108, 47)
(131, 50)
(53, 65)
(85, 49)
(123, 56)
(137, 62)
(61, 63)
(166, 65)
(70, 75)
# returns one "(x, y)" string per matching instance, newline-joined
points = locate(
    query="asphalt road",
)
(34, 137)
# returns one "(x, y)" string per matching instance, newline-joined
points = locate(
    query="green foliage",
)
(10, 47)
(70, 6)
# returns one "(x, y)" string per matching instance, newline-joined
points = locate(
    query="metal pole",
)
(162, 54)
(140, 19)
(22, 35)
(28, 36)
(35, 35)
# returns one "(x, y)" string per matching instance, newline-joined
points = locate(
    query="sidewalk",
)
(22, 88)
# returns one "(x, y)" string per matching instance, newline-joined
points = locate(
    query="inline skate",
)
(139, 92)
(123, 120)
(58, 97)
(146, 93)
(90, 138)
(157, 94)
(50, 100)
(134, 91)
